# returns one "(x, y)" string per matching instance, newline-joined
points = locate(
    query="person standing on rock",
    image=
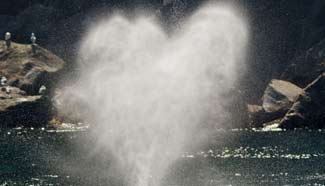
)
(8, 89)
(3, 81)
(33, 40)
(42, 90)
(8, 39)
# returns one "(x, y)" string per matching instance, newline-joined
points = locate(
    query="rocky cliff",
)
(27, 78)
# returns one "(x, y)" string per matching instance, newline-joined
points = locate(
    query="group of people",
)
(3, 80)
(4, 86)
(32, 39)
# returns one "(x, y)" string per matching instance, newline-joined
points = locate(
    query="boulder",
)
(308, 110)
(279, 96)
(276, 101)
(19, 109)
(27, 70)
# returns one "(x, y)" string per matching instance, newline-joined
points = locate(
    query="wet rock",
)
(29, 71)
(272, 126)
(19, 109)
(276, 101)
(308, 110)
(256, 115)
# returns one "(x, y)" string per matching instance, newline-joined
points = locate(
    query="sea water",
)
(238, 158)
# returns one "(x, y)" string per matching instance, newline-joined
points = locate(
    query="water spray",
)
(148, 94)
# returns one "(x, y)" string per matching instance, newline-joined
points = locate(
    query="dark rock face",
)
(307, 66)
(36, 18)
(26, 72)
(32, 81)
(308, 110)
(276, 101)
(19, 109)
(256, 115)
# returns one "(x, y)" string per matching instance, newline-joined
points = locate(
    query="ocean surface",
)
(39, 157)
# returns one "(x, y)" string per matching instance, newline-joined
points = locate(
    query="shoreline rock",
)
(21, 102)
(19, 109)
(308, 110)
(277, 99)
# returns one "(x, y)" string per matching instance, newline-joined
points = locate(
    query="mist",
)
(150, 95)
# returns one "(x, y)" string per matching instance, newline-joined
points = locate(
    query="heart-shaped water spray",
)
(149, 94)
